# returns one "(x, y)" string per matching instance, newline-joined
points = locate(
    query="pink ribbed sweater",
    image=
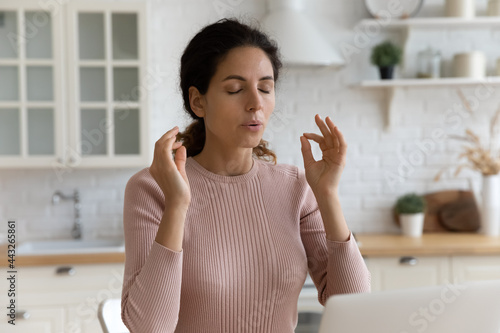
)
(249, 241)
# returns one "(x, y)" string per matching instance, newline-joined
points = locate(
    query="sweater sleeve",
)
(335, 267)
(152, 278)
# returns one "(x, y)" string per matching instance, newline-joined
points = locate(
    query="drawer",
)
(407, 272)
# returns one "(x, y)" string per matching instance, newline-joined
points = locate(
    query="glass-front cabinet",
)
(31, 98)
(70, 84)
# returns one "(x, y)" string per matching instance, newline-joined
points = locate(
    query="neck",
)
(224, 164)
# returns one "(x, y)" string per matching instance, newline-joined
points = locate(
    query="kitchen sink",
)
(70, 246)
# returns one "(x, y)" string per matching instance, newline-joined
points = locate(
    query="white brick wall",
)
(381, 164)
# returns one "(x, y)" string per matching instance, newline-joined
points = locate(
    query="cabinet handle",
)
(409, 261)
(22, 314)
(60, 160)
(65, 270)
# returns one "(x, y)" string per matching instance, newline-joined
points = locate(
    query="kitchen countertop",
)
(429, 244)
(58, 259)
(369, 245)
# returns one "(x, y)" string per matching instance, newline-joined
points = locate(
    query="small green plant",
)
(411, 203)
(386, 54)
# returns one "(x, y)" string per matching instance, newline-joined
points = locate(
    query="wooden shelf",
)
(447, 81)
(391, 88)
(435, 22)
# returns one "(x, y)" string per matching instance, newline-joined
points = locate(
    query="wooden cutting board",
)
(451, 210)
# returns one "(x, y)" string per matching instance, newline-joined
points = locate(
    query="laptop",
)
(452, 308)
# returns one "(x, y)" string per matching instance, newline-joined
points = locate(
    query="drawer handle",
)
(22, 315)
(65, 270)
(409, 261)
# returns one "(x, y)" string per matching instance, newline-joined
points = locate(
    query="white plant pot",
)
(412, 225)
(490, 206)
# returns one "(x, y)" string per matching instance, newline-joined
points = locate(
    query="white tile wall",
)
(381, 164)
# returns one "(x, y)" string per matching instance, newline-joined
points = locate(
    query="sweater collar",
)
(220, 178)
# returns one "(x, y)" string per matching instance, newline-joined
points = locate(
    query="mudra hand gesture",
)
(323, 176)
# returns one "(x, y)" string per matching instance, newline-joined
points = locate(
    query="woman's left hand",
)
(323, 176)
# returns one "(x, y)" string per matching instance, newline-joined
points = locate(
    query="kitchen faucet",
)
(76, 232)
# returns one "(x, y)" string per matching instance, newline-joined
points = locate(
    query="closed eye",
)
(237, 91)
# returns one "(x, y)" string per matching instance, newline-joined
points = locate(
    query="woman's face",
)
(240, 92)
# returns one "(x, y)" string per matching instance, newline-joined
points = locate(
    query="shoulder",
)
(144, 183)
(283, 172)
(293, 180)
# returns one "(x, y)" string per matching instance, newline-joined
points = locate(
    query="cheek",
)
(269, 106)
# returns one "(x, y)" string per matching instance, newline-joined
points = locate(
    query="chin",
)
(253, 144)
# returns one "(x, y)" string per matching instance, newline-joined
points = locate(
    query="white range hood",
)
(300, 42)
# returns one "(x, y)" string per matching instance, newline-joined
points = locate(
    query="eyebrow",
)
(241, 78)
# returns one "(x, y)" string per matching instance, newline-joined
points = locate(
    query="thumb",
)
(306, 151)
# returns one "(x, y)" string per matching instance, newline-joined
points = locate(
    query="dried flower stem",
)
(486, 161)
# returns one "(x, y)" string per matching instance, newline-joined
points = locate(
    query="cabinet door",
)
(475, 268)
(87, 284)
(77, 289)
(107, 77)
(39, 320)
(31, 75)
(407, 272)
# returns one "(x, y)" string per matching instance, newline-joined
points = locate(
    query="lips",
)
(253, 123)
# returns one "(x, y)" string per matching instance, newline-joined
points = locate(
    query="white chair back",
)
(109, 314)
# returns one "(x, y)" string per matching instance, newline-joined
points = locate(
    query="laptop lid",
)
(456, 308)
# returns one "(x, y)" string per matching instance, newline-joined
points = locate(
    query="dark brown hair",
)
(199, 63)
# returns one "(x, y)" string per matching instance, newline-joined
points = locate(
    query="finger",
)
(165, 145)
(170, 144)
(180, 161)
(316, 137)
(342, 142)
(324, 130)
(168, 134)
(332, 126)
(306, 151)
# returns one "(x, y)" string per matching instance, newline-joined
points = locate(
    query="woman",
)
(220, 241)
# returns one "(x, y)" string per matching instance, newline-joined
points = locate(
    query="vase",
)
(461, 8)
(386, 72)
(470, 64)
(412, 225)
(494, 8)
(490, 206)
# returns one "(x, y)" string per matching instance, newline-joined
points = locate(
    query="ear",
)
(196, 101)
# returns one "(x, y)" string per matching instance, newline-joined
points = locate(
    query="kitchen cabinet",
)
(418, 271)
(72, 84)
(65, 298)
(397, 262)
(40, 320)
(474, 268)
(407, 272)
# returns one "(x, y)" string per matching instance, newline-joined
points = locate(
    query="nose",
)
(254, 102)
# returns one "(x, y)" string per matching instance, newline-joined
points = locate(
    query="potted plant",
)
(410, 208)
(386, 55)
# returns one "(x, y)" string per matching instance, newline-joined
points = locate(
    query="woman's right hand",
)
(170, 174)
